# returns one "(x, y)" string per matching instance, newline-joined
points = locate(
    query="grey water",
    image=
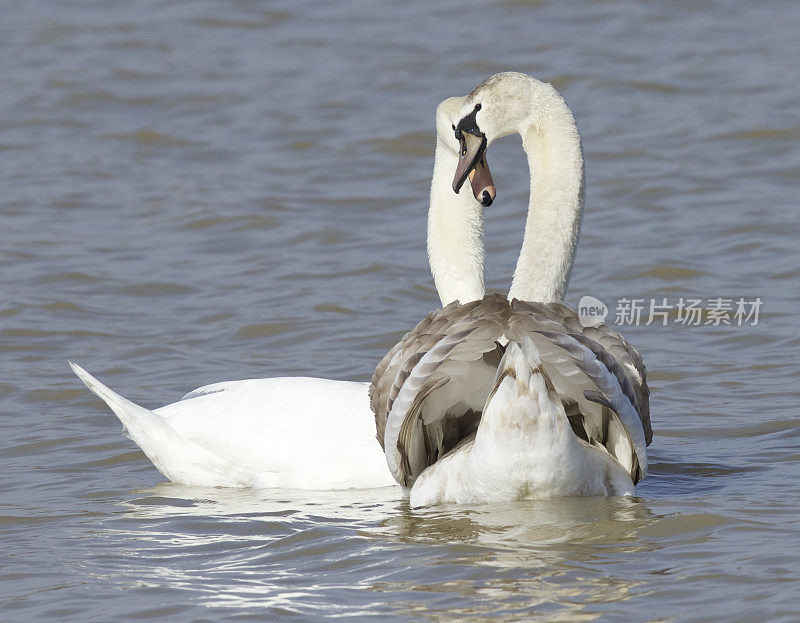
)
(201, 191)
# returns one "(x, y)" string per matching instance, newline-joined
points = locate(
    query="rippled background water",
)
(200, 191)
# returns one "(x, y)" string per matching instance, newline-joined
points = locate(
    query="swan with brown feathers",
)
(496, 398)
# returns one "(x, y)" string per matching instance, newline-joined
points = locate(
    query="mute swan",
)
(500, 399)
(305, 433)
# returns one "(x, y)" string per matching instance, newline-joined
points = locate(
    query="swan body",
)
(499, 398)
(296, 432)
(283, 432)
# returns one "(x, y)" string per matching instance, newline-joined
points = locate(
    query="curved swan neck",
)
(455, 234)
(555, 209)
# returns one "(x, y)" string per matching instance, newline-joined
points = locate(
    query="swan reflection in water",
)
(286, 549)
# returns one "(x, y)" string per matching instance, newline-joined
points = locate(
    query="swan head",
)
(497, 107)
(447, 116)
(447, 119)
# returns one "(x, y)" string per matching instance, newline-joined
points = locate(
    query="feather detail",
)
(430, 389)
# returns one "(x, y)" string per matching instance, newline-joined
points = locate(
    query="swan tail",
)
(522, 389)
(523, 363)
(139, 423)
(147, 429)
(176, 458)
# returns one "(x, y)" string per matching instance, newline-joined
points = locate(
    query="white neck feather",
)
(455, 234)
(555, 158)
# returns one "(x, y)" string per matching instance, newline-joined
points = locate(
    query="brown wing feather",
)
(475, 329)
(622, 359)
(428, 435)
(413, 345)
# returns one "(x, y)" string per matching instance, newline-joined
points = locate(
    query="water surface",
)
(201, 191)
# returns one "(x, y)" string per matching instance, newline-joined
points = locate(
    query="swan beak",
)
(472, 164)
(480, 178)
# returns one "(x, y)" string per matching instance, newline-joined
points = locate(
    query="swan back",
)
(429, 392)
(524, 447)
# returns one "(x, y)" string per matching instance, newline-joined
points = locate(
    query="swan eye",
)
(477, 106)
(454, 126)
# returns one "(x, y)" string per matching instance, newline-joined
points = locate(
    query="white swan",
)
(304, 433)
(498, 399)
